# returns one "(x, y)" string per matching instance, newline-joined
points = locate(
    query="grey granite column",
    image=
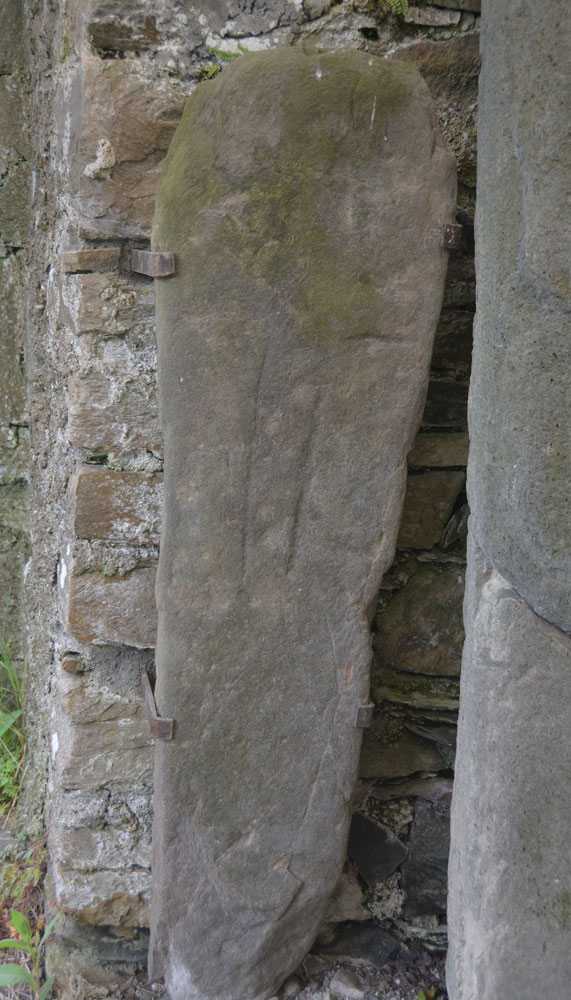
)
(510, 867)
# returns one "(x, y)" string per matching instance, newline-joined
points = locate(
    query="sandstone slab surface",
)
(303, 197)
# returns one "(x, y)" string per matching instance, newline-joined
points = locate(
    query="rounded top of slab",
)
(320, 175)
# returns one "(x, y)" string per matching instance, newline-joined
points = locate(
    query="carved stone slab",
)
(303, 197)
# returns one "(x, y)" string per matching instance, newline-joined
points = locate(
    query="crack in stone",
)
(565, 636)
(247, 530)
(306, 461)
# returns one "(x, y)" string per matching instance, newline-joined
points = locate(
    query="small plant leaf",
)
(47, 988)
(10, 974)
(17, 945)
(45, 936)
(21, 925)
(7, 720)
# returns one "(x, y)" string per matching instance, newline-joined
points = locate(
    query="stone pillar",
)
(303, 197)
(510, 868)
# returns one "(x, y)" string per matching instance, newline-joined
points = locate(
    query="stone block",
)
(446, 404)
(13, 465)
(429, 502)
(132, 31)
(14, 507)
(12, 38)
(227, 19)
(348, 985)
(433, 789)
(460, 288)
(94, 259)
(356, 943)
(105, 609)
(439, 450)
(116, 506)
(100, 954)
(397, 758)
(473, 5)
(100, 740)
(453, 342)
(290, 346)
(425, 872)
(444, 736)
(438, 693)
(12, 326)
(374, 850)
(109, 414)
(14, 453)
(88, 850)
(72, 664)
(13, 553)
(421, 628)
(451, 69)
(82, 808)
(432, 16)
(346, 902)
(111, 305)
(108, 898)
(315, 8)
(120, 154)
(15, 171)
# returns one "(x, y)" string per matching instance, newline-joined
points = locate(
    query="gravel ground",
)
(316, 980)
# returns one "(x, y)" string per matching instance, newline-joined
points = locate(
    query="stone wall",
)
(109, 84)
(15, 183)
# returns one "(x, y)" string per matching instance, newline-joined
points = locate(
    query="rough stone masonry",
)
(303, 196)
(109, 81)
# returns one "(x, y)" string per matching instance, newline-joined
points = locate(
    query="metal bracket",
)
(155, 265)
(161, 728)
(451, 237)
(365, 716)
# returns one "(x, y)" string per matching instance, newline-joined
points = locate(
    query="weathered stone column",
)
(510, 869)
(303, 197)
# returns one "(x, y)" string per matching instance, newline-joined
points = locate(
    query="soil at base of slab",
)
(392, 982)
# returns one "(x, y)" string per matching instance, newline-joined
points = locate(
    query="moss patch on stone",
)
(417, 690)
(288, 179)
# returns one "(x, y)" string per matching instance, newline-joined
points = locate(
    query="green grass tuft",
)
(12, 730)
(223, 54)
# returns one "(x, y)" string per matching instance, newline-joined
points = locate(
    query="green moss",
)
(208, 72)
(562, 909)
(273, 224)
(418, 690)
(66, 46)
(222, 54)
(556, 914)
